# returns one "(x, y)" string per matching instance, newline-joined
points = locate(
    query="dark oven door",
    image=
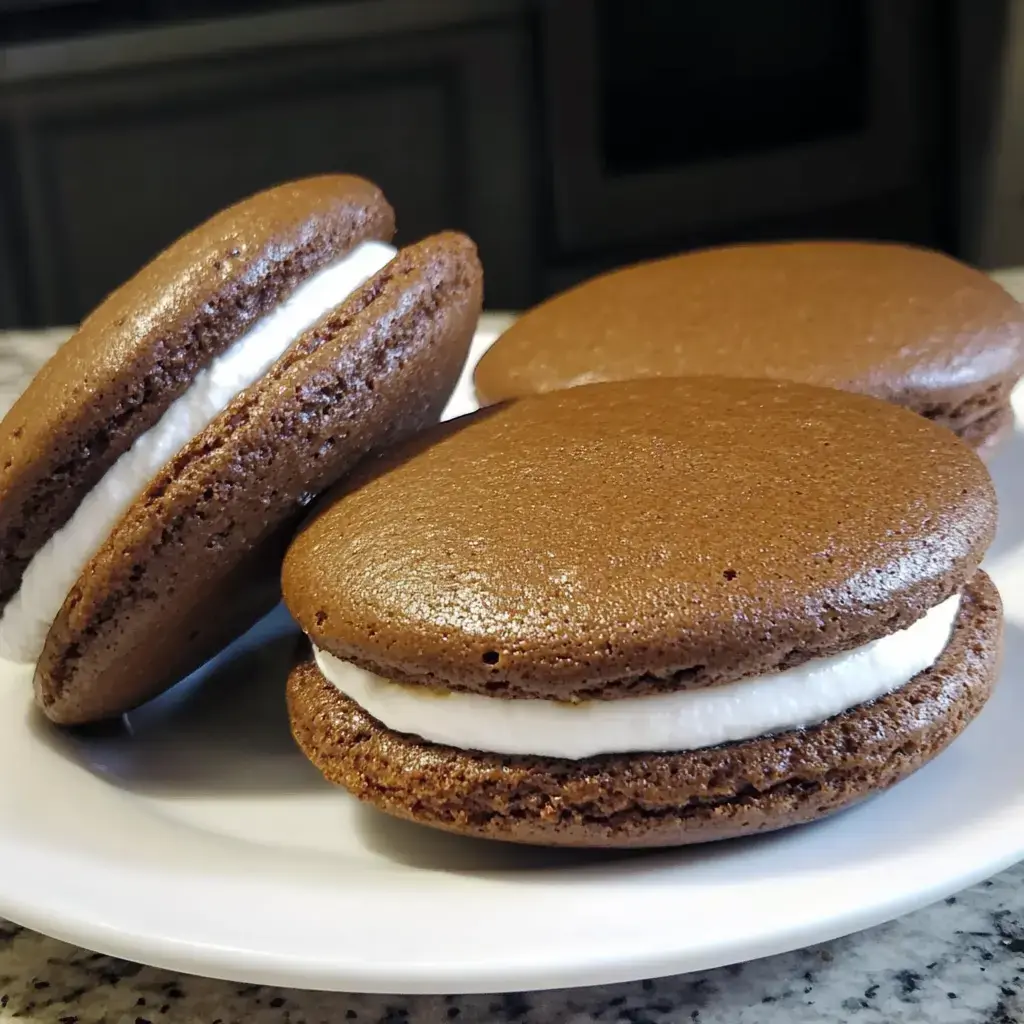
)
(686, 123)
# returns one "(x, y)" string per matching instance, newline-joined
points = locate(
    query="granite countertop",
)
(958, 962)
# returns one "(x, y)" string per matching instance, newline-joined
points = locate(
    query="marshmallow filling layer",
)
(672, 722)
(52, 573)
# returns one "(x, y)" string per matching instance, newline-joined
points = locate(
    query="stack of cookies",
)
(707, 563)
(646, 613)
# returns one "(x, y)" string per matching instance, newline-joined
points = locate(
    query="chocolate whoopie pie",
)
(646, 613)
(151, 473)
(907, 325)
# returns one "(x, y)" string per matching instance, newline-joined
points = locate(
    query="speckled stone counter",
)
(959, 962)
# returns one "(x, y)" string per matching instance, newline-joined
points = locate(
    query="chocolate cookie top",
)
(142, 347)
(183, 570)
(903, 324)
(638, 536)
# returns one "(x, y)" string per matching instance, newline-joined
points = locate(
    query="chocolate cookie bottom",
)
(640, 800)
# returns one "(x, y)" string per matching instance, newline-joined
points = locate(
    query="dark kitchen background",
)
(564, 135)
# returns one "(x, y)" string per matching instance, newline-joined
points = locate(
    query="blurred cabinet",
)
(565, 136)
(115, 149)
(11, 289)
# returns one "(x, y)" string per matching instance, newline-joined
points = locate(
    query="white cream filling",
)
(27, 618)
(685, 720)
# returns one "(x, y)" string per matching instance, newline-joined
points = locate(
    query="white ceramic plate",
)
(195, 837)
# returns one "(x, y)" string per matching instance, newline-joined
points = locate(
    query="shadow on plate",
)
(222, 730)
(427, 849)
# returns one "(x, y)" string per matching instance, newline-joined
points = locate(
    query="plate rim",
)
(998, 839)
